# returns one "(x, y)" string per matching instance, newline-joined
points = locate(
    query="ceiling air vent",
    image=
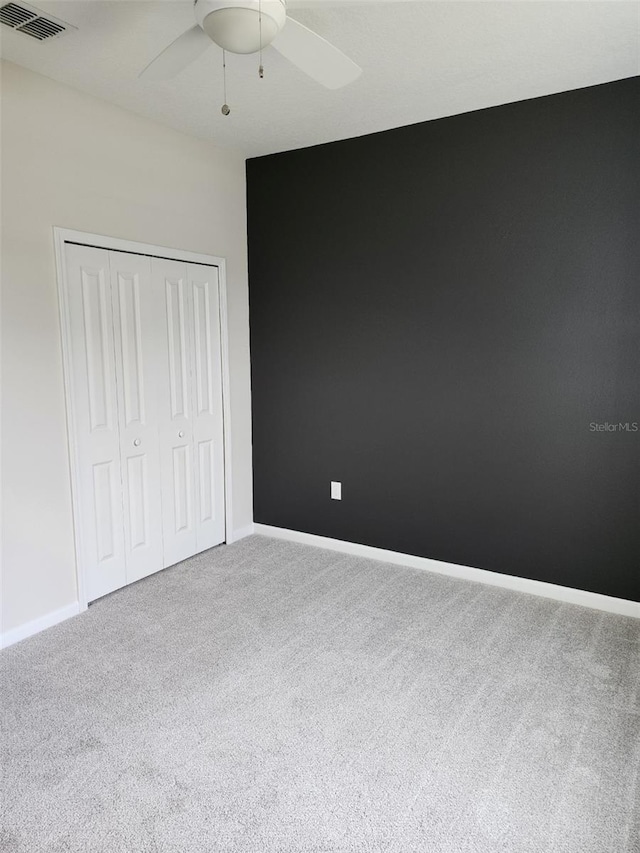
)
(31, 22)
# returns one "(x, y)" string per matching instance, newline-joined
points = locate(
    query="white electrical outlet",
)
(336, 491)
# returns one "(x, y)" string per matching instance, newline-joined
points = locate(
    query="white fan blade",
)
(176, 56)
(315, 55)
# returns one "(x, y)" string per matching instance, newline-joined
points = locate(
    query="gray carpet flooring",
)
(269, 696)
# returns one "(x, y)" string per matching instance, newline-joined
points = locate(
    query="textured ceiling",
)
(421, 60)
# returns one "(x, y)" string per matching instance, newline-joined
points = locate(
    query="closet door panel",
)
(206, 484)
(136, 321)
(182, 489)
(207, 419)
(95, 420)
(105, 494)
(176, 406)
(139, 522)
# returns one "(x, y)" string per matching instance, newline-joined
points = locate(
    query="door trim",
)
(101, 241)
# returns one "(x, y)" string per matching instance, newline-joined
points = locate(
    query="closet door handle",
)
(181, 434)
(136, 442)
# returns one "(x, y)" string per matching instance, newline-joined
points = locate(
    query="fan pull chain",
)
(226, 109)
(260, 66)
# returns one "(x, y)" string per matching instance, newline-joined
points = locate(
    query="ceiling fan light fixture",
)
(239, 29)
(246, 26)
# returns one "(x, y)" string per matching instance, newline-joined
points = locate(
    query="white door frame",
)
(100, 241)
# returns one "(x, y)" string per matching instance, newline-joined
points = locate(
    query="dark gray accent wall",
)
(443, 316)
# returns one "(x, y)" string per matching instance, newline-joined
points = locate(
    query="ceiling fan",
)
(247, 26)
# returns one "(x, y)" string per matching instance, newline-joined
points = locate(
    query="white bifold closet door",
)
(191, 449)
(147, 412)
(99, 509)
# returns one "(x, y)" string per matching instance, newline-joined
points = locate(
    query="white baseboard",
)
(547, 590)
(242, 533)
(8, 638)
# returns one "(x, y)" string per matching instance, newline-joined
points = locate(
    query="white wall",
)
(71, 160)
